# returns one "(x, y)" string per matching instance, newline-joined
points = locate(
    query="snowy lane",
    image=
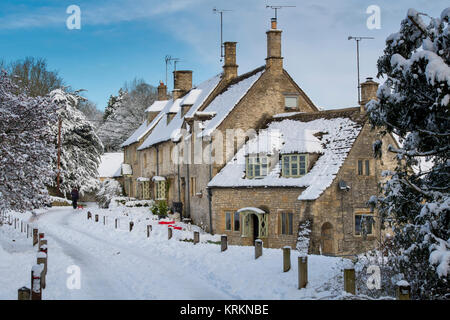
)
(111, 270)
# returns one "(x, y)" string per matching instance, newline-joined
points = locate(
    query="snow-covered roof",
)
(110, 165)
(332, 138)
(145, 127)
(164, 131)
(256, 210)
(158, 178)
(157, 106)
(225, 102)
(142, 179)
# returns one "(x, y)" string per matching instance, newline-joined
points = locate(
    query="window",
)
(290, 102)
(363, 222)
(286, 223)
(160, 190)
(237, 221)
(363, 167)
(294, 165)
(228, 221)
(146, 190)
(257, 167)
(193, 186)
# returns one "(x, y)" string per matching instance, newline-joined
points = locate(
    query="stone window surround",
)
(364, 211)
(364, 167)
(291, 95)
(280, 221)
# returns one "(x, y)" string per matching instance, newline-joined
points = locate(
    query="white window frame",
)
(286, 97)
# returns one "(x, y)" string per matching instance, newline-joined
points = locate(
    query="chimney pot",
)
(273, 23)
(162, 91)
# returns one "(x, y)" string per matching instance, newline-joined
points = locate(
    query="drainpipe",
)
(157, 160)
(209, 189)
(188, 190)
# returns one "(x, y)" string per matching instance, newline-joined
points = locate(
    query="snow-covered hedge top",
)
(111, 165)
(165, 131)
(332, 138)
(224, 103)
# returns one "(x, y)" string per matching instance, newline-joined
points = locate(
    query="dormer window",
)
(294, 165)
(257, 166)
(290, 102)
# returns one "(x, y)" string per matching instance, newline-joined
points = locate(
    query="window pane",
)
(367, 167)
(257, 169)
(358, 225)
(283, 223)
(290, 102)
(294, 169)
(290, 216)
(227, 220)
(237, 224)
(360, 167)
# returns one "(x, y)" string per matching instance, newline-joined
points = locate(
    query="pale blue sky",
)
(121, 39)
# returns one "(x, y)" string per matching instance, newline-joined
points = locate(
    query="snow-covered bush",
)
(109, 189)
(303, 239)
(26, 147)
(413, 104)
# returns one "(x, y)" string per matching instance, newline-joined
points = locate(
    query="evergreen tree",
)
(413, 104)
(26, 147)
(81, 148)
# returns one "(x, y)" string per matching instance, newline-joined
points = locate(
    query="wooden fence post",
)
(131, 225)
(42, 260)
(169, 233)
(28, 230)
(35, 237)
(41, 236)
(286, 259)
(96, 218)
(302, 271)
(349, 279)
(258, 248)
(23, 293)
(36, 290)
(196, 237)
(403, 290)
(89, 215)
(115, 222)
(223, 243)
(149, 229)
(104, 220)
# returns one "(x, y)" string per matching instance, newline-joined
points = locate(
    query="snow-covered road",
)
(118, 264)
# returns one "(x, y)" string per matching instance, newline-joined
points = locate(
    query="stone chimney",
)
(230, 68)
(162, 91)
(182, 83)
(368, 92)
(274, 61)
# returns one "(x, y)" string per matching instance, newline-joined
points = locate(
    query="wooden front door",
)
(327, 238)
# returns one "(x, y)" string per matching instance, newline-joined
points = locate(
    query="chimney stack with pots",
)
(274, 61)
(230, 68)
(162, 91)
(368, 92)
(182, 80)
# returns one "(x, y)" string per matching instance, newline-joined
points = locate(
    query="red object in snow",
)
(166, 222)
(80, 207)
(177, 228)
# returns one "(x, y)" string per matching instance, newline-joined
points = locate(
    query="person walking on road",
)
(75, 197)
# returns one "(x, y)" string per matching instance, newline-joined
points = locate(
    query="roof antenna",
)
(358, 39)
(169, 60)
(221, 11)
(276, 8)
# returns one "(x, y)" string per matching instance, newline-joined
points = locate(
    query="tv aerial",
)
(221, 11)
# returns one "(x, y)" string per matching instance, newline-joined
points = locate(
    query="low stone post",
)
(23, 293)
(131, 225)
(196, 237)
(115, 222)
(302, 271)
(35, 237)
(15, 223)
(169, 233)
(286, 259)
(149, 230)
(104, 220)
(21, 226)
(42, 260)
(223, 243)
(28, 230)
(43, 246)
(258, 248)
(96, 218)
(403, 290)
(89, 215)
(349, 279)
(36, 290)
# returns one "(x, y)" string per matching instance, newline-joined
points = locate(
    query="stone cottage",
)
(315, 167)
(202, 127)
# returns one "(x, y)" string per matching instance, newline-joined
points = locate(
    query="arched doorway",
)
(326, 238)
(255, 223)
